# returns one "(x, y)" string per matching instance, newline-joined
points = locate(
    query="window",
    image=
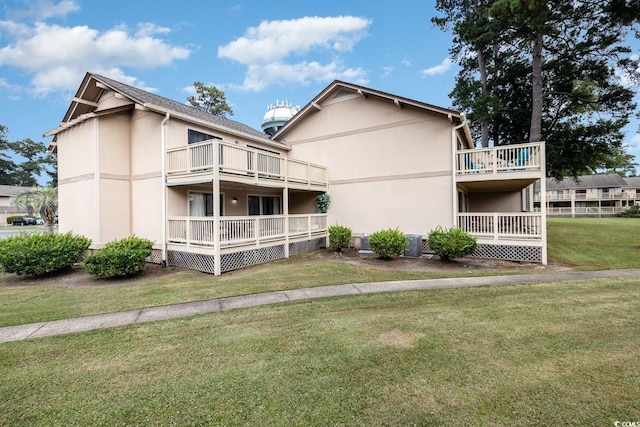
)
(264, 205)
(195, 136)
(201, 204)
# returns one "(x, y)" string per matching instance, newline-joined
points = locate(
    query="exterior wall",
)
(178, 202)
(114, 172)
(146, 175)
(495, 202)
(302, 202)
(388, 166)
(77, 154)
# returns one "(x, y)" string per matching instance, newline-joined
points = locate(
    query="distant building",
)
(590, 195)
(8, 208)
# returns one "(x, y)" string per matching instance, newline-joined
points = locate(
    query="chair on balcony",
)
(522, 159)
(470, 165)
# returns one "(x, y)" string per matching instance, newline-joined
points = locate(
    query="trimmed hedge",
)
(451, 243)
(120, 258)
(41, 254)
(388, 243)
(339, 237)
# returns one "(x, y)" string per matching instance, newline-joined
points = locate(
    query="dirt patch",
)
(430, 263)
(399, 339)
(77, 278)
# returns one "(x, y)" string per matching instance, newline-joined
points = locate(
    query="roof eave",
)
(190, 119)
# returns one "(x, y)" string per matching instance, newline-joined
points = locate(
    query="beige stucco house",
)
(216, 195)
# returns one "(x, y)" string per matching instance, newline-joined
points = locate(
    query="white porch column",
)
(285, 209)
(216, 209)
(543, 202)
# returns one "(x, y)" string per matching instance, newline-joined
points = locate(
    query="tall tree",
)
(552, 75)
(35, 162)
(210, 99)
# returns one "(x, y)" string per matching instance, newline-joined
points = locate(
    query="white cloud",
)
(45, 9)
(386, 71)
(58, 56)
(264, 49)
(441, 68)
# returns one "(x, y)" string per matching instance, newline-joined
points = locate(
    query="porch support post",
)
(543, 202)
(285, 209)
(573, 202)
(216, 209)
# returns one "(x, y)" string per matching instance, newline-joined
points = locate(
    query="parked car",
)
(39, 221)
(25, 220)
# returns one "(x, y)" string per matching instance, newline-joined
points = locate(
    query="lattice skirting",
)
(236, 260)
(506, 252)
(509, 253)
(155, 257)
(200, 262)
(298, 248)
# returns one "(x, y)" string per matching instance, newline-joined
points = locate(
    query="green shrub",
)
(632, 212)
(322, 203)
(12, 218)
(451, 243)
(119, 258)
(388, 243)
(339, 237)
(41, 254)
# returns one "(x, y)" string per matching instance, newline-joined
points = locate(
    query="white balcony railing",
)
(502, 226)
(241, 230)
(501, 159)
(585, 211)
(242, 161)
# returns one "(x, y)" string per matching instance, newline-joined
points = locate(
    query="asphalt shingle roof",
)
(143, 97)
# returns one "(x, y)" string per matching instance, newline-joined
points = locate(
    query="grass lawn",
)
(538, 355)
(549, 354)
(594, 243)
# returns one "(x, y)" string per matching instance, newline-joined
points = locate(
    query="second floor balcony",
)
(243, 164)
(502, 162)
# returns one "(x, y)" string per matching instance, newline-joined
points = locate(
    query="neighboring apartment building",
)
(216, 195)
(8, 207)
(590, 195)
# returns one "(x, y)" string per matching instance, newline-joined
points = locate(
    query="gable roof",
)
(12, 190)
(588, 181)
(94, 85)
(337, 86)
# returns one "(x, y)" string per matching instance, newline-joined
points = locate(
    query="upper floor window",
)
(195, 136)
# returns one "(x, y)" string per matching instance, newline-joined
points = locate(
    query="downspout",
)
(454, 150)
(163, 263)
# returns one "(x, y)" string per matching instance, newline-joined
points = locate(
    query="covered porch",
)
(495, 200)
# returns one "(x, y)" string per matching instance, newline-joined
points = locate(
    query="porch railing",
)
(501, 159)
(612, 195)
(502, 226)
(239, 230)
(590, 211)
(240, 160)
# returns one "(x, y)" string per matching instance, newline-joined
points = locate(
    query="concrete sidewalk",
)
(110, 320)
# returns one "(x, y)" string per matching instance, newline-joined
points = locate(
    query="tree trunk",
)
(484, 124)
(535, 131)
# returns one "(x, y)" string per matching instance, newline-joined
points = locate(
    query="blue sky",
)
(257, 52)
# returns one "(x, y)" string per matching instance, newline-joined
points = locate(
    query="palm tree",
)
(43, 200)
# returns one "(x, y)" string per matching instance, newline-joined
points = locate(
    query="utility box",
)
(414, 246)
(365, 246)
